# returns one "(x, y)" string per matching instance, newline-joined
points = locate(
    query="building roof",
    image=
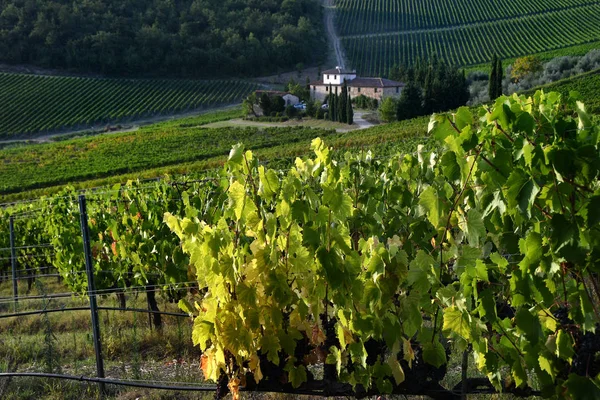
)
(365, 82)
(374, 82)
(273, 92)
(338, 70)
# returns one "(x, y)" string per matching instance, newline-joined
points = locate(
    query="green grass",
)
(379, 34)
(32, 104)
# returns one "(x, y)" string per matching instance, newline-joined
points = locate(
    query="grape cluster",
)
(422, 374)
(503, 310)
(375, 348)
(222, 386)
(586, 361)
(562, 316)
(329, 372)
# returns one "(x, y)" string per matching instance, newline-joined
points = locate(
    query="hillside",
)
(194, 38)
(178, 147)
(32, 104)
(379, 34)
(587, 85)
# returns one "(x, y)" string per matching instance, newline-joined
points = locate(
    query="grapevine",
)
(387, 266)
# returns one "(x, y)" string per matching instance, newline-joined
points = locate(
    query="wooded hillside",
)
(200, 38)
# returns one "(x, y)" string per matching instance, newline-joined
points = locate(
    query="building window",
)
(314, 88)
(335, 77)
(327, 76)
(327, 88)
(358, 90)
(397, 89)
(375, 90)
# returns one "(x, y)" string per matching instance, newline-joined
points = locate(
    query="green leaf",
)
(434, 353)
(474, 227)
(397, 371)
(521, 192)
(458, 322)
(463, 118)
(331, 266)
(335, 357)
(269, 182)
(529, 324)
(202, 332)
(450, 167)
(236, 155)
(269, 344)
(564, 232)
(237, 194)
(420, 269)
(582, 388)
(564, 346)
(546, 365)
(296, 374)
(518, 373)
(434, 204)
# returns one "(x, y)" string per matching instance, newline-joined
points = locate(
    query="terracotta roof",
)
(272, 92)
(365, 82)
(338, 71)
(374, 82)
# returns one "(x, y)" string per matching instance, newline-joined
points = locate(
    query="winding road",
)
(329, 8)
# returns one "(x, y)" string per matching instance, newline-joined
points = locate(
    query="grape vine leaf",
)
(521, 192)
(582, 388)
(434, 353)
(296, 374)
(457, 321)
(529, 324)
(474, 227)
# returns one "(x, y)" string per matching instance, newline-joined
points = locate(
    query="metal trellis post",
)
(13, 261)
(85, 233)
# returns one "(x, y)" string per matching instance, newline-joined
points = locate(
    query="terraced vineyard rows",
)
(364, 17)
(375, 53)
(30, 104)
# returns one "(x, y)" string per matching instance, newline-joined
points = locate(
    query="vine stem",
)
(454, 207)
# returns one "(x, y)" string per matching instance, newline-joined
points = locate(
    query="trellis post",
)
(85, 233)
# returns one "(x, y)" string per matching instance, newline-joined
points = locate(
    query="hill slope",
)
(30, 104)
(380, 33)
(198, 38)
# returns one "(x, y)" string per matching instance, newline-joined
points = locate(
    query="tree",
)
(493, 84)
(499, 77)
(341, 106)
(410, 103)
(349, 111)
(387, 110)
(278, 104)
(265, 104)
(248, 104)
(524, 66)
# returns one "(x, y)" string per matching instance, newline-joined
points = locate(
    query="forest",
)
(191, 38)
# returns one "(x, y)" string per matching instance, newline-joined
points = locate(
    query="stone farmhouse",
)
(376, 88)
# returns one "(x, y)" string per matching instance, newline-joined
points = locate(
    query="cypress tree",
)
(499, 77)
(331, 102)
(342, 104)
(493, 83)
(349, 111)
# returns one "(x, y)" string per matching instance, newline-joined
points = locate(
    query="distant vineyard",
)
(587, 85)
(30, 104)
(379, 34)
(363, 17)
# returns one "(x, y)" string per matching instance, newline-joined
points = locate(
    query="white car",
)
(325, 106)
(300, 106)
